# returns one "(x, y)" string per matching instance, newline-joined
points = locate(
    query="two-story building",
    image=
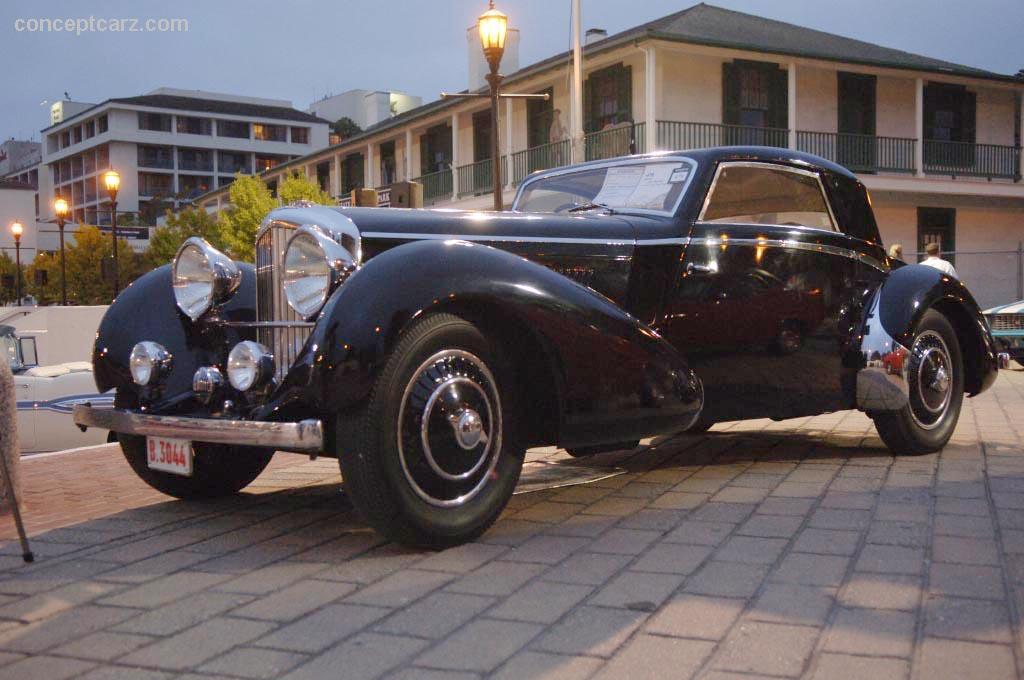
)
(938, 144)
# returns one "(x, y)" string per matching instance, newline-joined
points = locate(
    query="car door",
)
(25, 395)
(767, 236)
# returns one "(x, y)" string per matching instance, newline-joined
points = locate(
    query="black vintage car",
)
(427, 349)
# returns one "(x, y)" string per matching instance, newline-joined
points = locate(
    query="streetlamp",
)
(112, 181)
(493, 26)
(60, 210)
(16, 230)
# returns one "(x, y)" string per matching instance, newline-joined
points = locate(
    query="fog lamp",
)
(250, 365)
(149, 363)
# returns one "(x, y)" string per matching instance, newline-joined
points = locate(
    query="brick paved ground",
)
(795, 549)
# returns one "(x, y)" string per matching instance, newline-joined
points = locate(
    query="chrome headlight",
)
(250, 364)
(314, 264)
(149, 363)
(203, 276)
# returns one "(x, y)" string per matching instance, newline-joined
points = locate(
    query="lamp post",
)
(493, 26)
(16, 230)
(112, 181)
(60, 210)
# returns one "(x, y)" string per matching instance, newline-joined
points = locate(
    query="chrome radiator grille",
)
(1007, 322)
(271, 304)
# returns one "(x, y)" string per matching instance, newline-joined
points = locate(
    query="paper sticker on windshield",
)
(680, 174)
(652, 188)
(619, 184)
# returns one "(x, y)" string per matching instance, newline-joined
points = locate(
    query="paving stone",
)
(547, 666)
(741, 494)
(44, 668)
(401, 588)
(153, 567)
(549, 513)
(700, 533)
(435, 615)
(846, 667)
(196, 645)
(103, 646)
(899, 533)
(541, 602)
(419, 673)
(638, 590)
(587, 568)
(594, 631)
(185, 613)
(652, 519)
(964, 525)
(727, 579)
(827, 541)
(795, 604)
(69, 625)
(872, 632)
(723, 512)
(164, 590)
(127, 673)
(962, 619)
(891, 559)
(495, 578)
(881, 591)
(776, 526)
(963, 550)
(373, 565)
(672, 558)
(271, 577)
(966, 581)
(582, 526)
(955, 660)
(545, 549)
(295, 600)
(785, 506)
(655, 657)
(44, 605)
(679, 500)
(623, 541)
(462, 559)
(252, 662)
(834, 518)
(751, 550)
(694, 616)
(481, 645)
(367, 655)
(813, 570)
(322, 628)
(769, 648)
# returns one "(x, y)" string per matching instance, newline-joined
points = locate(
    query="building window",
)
(191, 125)
(89, 158)
(388, 165)
(436, 149)
(267, 161)
(272, 187)
(481, 135)
(65, 139)
(156, 184)
(90, 129)
(323, 175)
(195, 159)
(225, 180)
(608, 97)
(233, 128)
(76, 134)
(937, 225)
(300, 135)
(102, 157)
(155, 157)
(950, 116)
(352, 172)
(269, 133)
(101, 124)
(539, 117)
(190, 186)
(156, 122)
(233, 162)
(755, 97)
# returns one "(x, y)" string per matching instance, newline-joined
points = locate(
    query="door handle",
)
(694, 268)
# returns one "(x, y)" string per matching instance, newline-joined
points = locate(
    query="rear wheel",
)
(935, 378)
(217, 469)
(432, 459)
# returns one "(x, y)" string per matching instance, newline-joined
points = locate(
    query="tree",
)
(165, 241)
(48, 265)
(8, 268)
(345, 127)
(250, 202)
(86, 285)
(297, 187)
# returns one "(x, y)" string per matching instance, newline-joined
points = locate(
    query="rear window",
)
(763, 194)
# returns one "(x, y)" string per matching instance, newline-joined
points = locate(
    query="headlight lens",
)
(250, 364)
(149, 363)
(203, 276)
(314, 264)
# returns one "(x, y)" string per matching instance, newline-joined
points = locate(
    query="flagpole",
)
(576, 95)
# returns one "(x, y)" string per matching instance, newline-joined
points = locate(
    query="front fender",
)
(616, 377)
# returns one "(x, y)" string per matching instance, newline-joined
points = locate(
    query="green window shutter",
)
(778, 98)
(969, 116)
(624, 75)
(730, 94)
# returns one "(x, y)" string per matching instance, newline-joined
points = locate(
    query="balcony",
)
(541, 157)
(861, 153)
(437, 186)
(478, 178)
(963, 159)
(621, 140)
(677, 135)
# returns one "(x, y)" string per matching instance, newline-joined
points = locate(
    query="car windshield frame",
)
(615, 162)
(10, 351)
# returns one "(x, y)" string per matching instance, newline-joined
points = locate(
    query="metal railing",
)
(621, 140)
(478, 178)
(974, 160)
(673, 135)
(543, 157)
(437, 186)
(861, 153)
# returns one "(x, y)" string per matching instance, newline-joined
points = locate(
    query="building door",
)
(855, 145)
(950, 116)
(755, 104)
(436, 149)
(937, 225)
(539, 116)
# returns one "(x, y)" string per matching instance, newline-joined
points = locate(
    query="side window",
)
(762, 194)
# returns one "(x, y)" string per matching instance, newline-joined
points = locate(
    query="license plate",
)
(170, 455)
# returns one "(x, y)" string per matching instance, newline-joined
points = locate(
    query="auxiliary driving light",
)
(250, 365)
(149, 363)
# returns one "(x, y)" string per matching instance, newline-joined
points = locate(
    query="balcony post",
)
(455, 156)
(1020, 138)
(508, 145)
(408, 155)
(919, 127)
(650, 97)
(791, 104)
(336, 177)
(368, 181)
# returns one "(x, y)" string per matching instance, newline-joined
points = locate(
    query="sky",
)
(301, 50)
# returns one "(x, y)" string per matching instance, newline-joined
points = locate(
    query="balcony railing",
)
(971, 160)
(478, 178)
(861, 153)
(621, 140)
(437, 186)
(543, 157)
(676, 135)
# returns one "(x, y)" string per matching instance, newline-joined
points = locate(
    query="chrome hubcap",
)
(449, 434)
(931, 378)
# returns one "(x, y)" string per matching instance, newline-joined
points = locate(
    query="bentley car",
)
(426, 350)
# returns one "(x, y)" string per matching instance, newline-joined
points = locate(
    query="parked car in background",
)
(46, 396)
(1007, 324)
(621, 299)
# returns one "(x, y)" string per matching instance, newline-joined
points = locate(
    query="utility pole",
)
(576, 95)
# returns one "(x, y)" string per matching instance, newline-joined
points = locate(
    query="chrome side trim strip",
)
(402, 236)
(794, 245)
(269, 324)
(305, 435)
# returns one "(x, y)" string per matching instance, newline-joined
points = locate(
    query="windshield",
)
(9, 351)
(651, 185)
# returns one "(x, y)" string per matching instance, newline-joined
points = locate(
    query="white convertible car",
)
(46, 395)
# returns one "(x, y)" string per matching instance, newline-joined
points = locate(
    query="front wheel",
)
(935, 378)
(432, 459)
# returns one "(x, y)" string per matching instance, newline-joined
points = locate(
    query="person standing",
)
(896, 251)
(933, 260)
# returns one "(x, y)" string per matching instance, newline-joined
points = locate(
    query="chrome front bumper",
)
(305, 435)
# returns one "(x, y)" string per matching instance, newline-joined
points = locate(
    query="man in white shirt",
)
(933, 260)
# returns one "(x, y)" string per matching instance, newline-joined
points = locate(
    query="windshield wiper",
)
(592, 206)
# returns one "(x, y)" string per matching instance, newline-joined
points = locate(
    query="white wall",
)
(817, 105)
(62, 333)
(18, 205)
(691, 87)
